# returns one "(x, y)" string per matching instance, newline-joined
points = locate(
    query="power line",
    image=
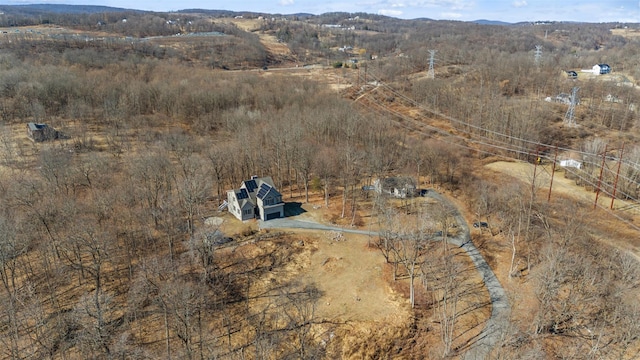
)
(490, 142)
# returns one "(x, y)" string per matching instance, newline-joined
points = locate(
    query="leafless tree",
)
(304, 165)
(409, 248)
(219, 156)
(152, 175)
(442, 278)
(193, 187)
(325, 167)
(10, 249)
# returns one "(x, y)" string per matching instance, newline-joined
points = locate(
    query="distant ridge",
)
(230, 13)
(491, 22)
(34, 9)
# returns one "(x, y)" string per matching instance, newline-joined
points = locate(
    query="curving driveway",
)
(498, 322)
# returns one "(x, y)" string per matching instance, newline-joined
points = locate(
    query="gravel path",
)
(497, 324)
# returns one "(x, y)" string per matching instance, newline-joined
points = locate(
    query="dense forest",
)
(104, 252)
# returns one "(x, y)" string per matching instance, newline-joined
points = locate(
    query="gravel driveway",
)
(498, 322)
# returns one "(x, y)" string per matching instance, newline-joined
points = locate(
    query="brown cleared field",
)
(564, 187)
(629, 33)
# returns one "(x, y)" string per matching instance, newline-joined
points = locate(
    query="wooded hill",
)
(103, 248)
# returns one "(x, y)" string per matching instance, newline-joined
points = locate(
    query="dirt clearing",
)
(350, 276)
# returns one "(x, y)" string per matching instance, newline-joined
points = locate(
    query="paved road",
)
(497, 324)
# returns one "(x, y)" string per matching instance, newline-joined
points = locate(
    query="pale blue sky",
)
(465, 10)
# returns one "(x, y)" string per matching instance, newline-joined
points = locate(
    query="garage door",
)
(274, 215)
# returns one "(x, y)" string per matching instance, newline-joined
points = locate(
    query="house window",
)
(247, 212)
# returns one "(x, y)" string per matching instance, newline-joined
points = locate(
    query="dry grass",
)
(628, 33)
(568, 188)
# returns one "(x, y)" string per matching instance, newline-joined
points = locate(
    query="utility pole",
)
(365, 74)
(431, 73)
(538, 54)
(615, 183)
(604, 157)
(553, 172)
(569, 117)
(536, 161)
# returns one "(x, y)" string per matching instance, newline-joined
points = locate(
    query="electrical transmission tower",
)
(538, 54)
(431, 73)
(569, 116)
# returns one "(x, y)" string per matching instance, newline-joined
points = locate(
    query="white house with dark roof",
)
(256, 198)
(399, 186)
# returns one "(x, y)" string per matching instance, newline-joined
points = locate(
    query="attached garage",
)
(274, 215)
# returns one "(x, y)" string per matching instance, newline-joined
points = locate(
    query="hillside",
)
(115, 240)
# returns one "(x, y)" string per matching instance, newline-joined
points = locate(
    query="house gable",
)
(268, 195)
(240, 204)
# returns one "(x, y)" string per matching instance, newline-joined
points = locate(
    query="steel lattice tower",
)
(431, 73)
(538, 54)
(569, 116)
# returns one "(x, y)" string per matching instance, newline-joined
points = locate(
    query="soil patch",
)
(350, 276)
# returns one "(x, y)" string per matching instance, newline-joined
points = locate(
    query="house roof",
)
(267, 190)
(254, 188)
(36, 126)
(251, 185)
(242, 194)
(398, 182)
(244, 202)
(268, 180)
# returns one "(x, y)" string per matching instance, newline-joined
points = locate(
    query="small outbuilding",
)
(41, 132)
(571, 163)
(604, 69)
(571, 74)
(599, 69)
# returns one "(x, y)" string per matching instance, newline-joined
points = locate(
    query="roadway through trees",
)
(498, 322)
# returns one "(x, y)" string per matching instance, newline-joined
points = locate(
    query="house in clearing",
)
(256, 198)
(400, 187)
(599, 69)
(41, 132)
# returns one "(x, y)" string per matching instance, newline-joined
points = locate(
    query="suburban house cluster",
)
(256, 198)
